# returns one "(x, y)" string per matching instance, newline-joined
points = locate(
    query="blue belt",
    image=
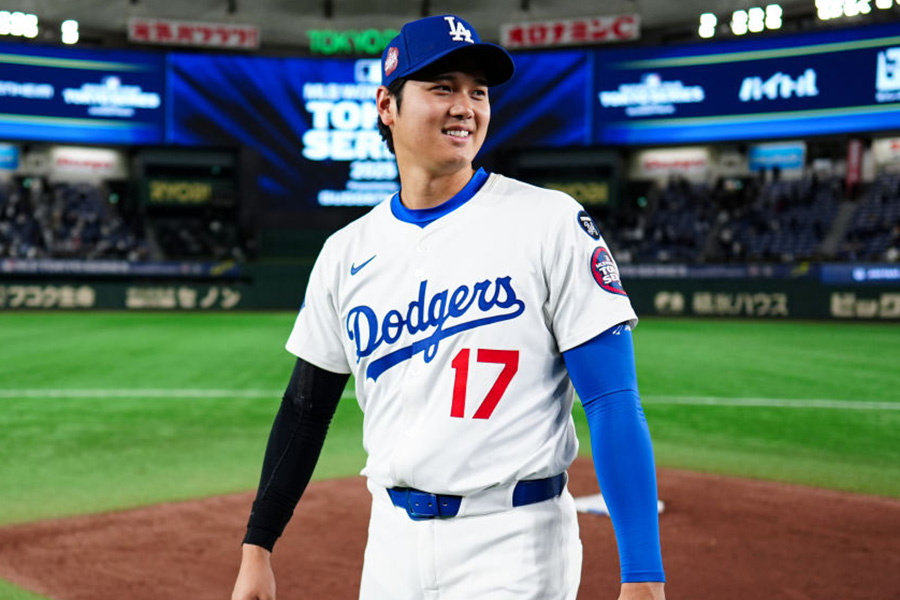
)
(421, 505)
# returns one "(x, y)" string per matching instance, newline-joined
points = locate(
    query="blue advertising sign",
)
(785, 156)
(313, 121)
(791, 86)
(9, 157)
(75, 95)
(877, 274)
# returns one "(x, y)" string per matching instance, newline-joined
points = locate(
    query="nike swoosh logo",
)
(354, 269)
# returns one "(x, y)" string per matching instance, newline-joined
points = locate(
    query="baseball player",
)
(467, 307)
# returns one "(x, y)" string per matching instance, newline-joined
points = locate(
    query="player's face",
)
(442, 122)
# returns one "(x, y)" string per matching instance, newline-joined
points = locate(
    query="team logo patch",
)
(391, 60)
(605, 271)
(587, 223)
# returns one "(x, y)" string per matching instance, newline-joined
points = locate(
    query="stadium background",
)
(161, 205)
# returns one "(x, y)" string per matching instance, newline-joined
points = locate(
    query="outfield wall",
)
(843, 292)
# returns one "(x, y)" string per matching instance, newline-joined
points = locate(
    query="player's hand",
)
(255, 580)
(650, 590)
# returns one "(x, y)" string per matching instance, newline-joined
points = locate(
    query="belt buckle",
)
(421, 506)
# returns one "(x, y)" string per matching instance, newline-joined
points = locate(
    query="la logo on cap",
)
(458, 31)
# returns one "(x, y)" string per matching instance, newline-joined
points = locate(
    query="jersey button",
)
(420, 248)
(418, 272)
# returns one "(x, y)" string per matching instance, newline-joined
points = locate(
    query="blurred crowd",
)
(753, 220)
(85, 221)
(735, 220)
(64, 221)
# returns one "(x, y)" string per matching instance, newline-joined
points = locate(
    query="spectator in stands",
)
(892, 254)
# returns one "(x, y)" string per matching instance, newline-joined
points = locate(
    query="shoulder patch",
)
(587, 223)
(605, 271)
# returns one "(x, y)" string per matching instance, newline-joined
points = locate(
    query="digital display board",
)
(86, 96)
(790, 86)
(546, 104)
(313, 121)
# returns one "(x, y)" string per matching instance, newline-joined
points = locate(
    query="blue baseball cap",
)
(422, 43)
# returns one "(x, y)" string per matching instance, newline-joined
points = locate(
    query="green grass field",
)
(105, 411)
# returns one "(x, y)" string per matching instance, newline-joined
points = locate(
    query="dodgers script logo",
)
(439, 316)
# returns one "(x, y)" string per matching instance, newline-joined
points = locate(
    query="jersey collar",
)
(425, 216)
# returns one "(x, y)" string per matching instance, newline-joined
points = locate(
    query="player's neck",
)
(422, 189)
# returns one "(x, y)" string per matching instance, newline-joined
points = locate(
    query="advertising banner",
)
(664, 162)
(314, 120)
(9, 157)
(787, 156)
(886, 151)
(777, 87)
(78, 163)
(188, 33)
(565, 32)
(81, 96)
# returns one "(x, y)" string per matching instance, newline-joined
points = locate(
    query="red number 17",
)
(510, 361)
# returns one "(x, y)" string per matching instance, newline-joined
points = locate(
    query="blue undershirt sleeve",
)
(603, 373)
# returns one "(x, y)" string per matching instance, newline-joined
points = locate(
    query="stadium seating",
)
(774, 221)
(195, 238)
(77, 221)
(789, 220)
(64, 220)
(682, 222)
(874, 233)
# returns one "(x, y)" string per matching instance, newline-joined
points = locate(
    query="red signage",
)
(186, 33)
(587, 30)
(854, 164)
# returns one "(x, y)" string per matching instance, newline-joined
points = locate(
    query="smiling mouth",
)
(461, 134)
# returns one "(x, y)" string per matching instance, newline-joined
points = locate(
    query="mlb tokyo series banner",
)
(314, 122)
(78, 95)
(790, 86)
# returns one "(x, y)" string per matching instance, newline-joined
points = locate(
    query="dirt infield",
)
(722, 538)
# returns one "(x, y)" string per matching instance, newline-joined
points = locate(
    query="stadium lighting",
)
(851, 8)
(708, 22)
(756, 19)
(18, 24)
(69, 30)
(883, 4)
(865, 7)
(739, 22)
(752, 20)
(31, 29)
(773, 16)
(829, 9)
(25, 25)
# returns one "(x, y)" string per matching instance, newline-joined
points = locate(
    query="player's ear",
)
(384, 102)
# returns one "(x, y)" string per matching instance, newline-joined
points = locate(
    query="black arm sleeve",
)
(294, 445)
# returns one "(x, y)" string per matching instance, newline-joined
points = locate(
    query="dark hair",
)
(395, 90)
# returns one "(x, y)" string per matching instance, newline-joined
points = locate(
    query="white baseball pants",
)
(528, 552)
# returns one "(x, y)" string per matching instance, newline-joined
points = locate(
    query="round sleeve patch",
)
(605, 271)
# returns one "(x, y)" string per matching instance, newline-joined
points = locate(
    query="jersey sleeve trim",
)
(318, 361)
(623, 314)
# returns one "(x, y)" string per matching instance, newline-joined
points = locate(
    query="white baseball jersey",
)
(454, 333)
